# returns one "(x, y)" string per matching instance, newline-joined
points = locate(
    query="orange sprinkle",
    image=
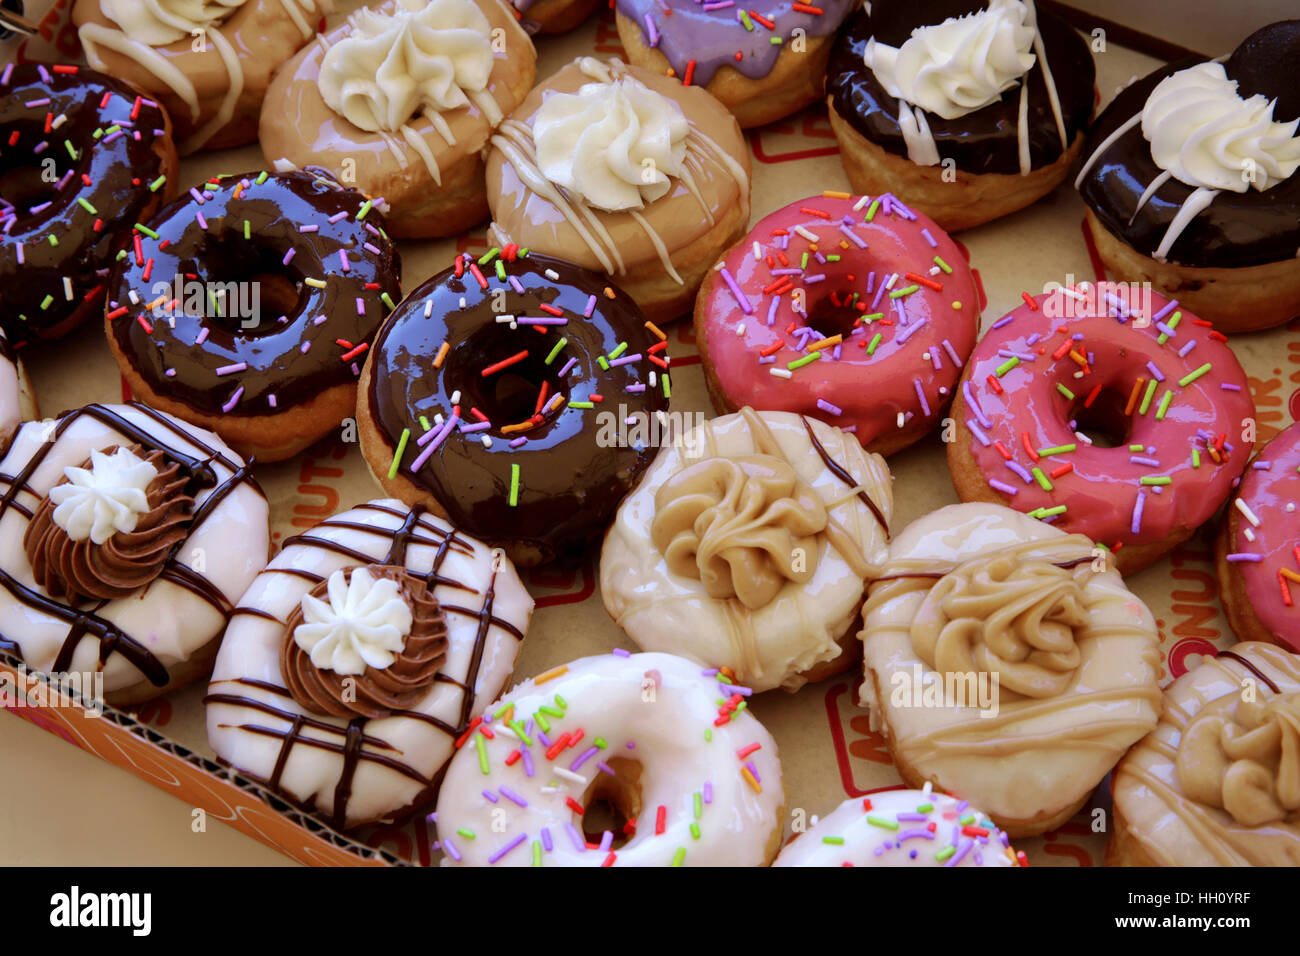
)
(1133, 396)
(829, 343)
(819, 213)
(771, 349)
(1063, 470)
(609, 293)
(442, 354)
(749, 779)
(925, 281)
(551, 674)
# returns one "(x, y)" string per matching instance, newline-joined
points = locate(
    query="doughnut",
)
(126, 537)
(656, 239)
(17, 403)
(553, 16)
(752, 60)
(400, 101)
(748, 545)
(786, 323)
(1134, 434)
(1190, 184)
(640, 737)
(356, 659)
(57, 239)
(248, 305)
(902, 828)
(1006, 661)
(208, 62)
(1217, 782)
(500, 394)
(1255, 547)
(967, 110)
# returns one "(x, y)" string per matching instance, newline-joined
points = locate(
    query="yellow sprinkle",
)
(749, 777)
(957, 306)
(834, 194)
(656, 331)
(315, 283)
(1290, 575)
(831, 342)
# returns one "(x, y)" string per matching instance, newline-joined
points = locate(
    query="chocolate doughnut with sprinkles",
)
(497, 393)
(247, 306)
(126, 536)
(109, 149)
(1113, 415)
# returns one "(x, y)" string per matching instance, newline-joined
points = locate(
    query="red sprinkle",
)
(550, 309)
(144, 324)
(690, 73)
(469, 731)
(1024, 440)
(65, 69)
(925, 281)
(1092, 396)
(1029, 301)
(661, 817)
(504, 363)
(513, 757)
(1002, 450)
(819, 213)
(349, 356)
(574, 805)
(995, 384)
(1063, 470)
(482, 283)
(759, 18)
(609, 860)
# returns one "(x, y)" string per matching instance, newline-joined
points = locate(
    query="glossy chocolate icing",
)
(275, 213)
(568, 484)
(1237, 229)
(120, 168)
(983, 141)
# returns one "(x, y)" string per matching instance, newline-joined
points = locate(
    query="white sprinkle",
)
(781, 372)
(758, 251)
(570, 775)
(552, 275)
(810, 236)
(862, 201)
(135, 299)
(653, 378)
(935, 270)
(740, 329)
(455, 397)
(1083, 438)
(428, 309)
(901, 420)
(1290, 507)
(1249, 535)
(437, 418)
(487, 440)
(462, 302)
(893, 277)
(59, 121)
(506, 318)
(1245, 510)
(67, 287)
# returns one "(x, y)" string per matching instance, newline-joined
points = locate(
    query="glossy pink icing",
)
(1102, 491)
(910, 370)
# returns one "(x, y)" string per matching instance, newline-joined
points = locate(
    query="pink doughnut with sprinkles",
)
(1112, 414)
(829, 294)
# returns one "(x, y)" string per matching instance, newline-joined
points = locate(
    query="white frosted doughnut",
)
(792, 628)
(16, 402)
(901, 828)
(256, 724)
(705, 790)
(145, 641)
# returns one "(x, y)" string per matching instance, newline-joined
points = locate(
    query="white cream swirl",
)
(958, 66)
(418, 57)
(160, 22)
(364, 623)
(108, 497)
(1203, 132)
(613, 145)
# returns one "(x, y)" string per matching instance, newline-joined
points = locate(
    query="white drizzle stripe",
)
(1022, 130)
(1149, 192)
(921, 148)
(1192, 206)
(420, 146)
(1105, 144)
(94, 35)
(1041, 50)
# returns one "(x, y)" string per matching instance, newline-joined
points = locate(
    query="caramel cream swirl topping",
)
(743, 526)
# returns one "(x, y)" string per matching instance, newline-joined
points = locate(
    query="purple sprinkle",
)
(343, 260)
(507, 848)
(1155, 372)
(974, 405)
(591, 300)
(929, 238)
(371, 248)
(813, 280)
(621, 652)
(1166, 330)
(908, 332)
(853, 237)
(1187, 348)
(234, 400)
(516, 442)
(911, 817)
(1229, 387)
(197, 196)
(741, 299)
(516, 284)
(512, 796)
(341, 214)
(708, 791)
(491, 797)
(288, 256)
(231, 369)
(579, 843)
(829, 408)
(1173, 304)
(1002, 321)
(9, 71)
(567, 366)
(1020, 470)
(920, 394)
(1002, 486)
(625, 360)
(607, 838)
(786, 272)
(361, 306)
(637, 387)
(34, 104)
(1140, 460)
(914, 833)
(476, 427)
(311, 228)
(528, 763)
(450, 849)
(652, 34)
(583, 758)
(1136, 526)
(1245, 556)
(978, 433)
(1262, 466)
(961, 852)
(605, 768)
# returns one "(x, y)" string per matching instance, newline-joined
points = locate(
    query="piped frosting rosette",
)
(1006, 661)
(748, 544)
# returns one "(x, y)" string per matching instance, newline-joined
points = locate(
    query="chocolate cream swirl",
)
(1246, 762)
(743, 527)
(128, 560)
(1010, 613)
(376, 692)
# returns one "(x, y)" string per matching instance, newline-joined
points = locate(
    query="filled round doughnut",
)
(17, 403)
(1255, 550)
(967, 110)
(356, 659)
(622, 171)
(247, 307)
(208, 62)
(762, 62)
(518, 395)
(902, 828)
(1006, 661)
(1189, 177)
(1217, 783)
(832, 291)
(1114, 415)
(126, 537)
(748, 545)
(616, 760)
(553, 16)
(400, 101)
(110, 150)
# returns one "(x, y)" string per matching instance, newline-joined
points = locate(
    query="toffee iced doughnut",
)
(553, 16)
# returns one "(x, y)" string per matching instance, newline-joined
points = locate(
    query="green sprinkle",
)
(668, 388)
(145, 230)
(601, 361)
(248, 230)
(561, 702)
(695, 831)
(467, 833)
(942, 265)
(365, 208)
(553, 711)
(882, 822)
(537, 853)
(53, 241)
(708, 734)
(97, 134)
(1172, 324)
(488, 256)
(522, 253)
(873, 316)
(482, 754)
(679, 856)
(514, 484)
(387, 299)
(1193, 376)
(1006, 366)
(1146, 399)
(833, 841)
(518, 727)
(871, 349)
(542, 722)
(72, 150)
(805, 360)
(1157, 480)
(85, 204)
(906, 290)
(617, 350)
(501, 270)
(966, 819)
(45, 303)
(1047, 512)
(925, 808)
(1137, 447)
(424, 423)
(112, 129)
(211, 187)
(837, 259)
(749, 24)
(1057, 450)
(1196, 458)
(555, 350)
(600, 743)
(699, 805)
(1065, 391)
(157, 184)
(582, 405)
(871, 210)
(803, 261)
(401, 450)
(261, 178)
(1163, 407)
(946, 852)
(1041, 478)
(775, 41)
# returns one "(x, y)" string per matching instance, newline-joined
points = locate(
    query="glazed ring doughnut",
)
(553, 16)
(313, 275)
(515, 423)
(209, 63)
(341, 683)
(1160, 388)
(641, 733)
(902, 828)
(830, 292)
(126, 536)
(56, 242)
(16, 401)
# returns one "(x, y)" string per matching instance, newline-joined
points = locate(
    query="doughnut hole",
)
(1104, 422)
(508, 396)
(258, 288)
(612, 800)
(830, 319)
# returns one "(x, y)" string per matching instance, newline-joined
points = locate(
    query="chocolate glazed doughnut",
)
(483, 400)
(111, 153)
(314, 273)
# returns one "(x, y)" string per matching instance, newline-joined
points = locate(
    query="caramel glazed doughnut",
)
(356, 659)
(209, 62)
(1007, 662)
(112, 151)
(568, 171)
(400, 101)
(748, 546)
(1217, 783)
(248, 307)
(126, 536)
(997, 96)
(643, 733)
(553, 16)
(1190, 182)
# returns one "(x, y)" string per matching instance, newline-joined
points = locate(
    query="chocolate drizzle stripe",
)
(308, 722)
(840, 472)
(341, 748)
(351, 757)
(1268, 682)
